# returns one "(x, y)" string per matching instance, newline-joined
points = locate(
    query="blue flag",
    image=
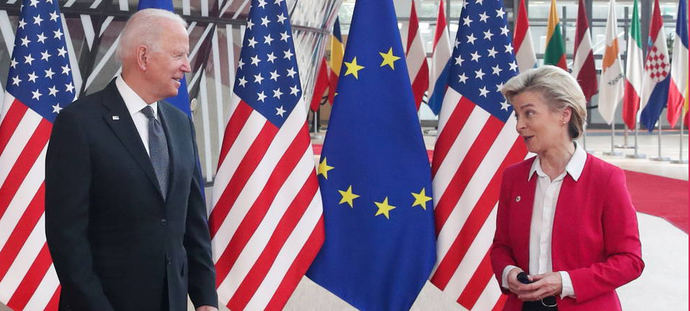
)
(374, 174)
(180, 101)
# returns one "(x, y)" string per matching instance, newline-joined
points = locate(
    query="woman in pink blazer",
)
(566, 231)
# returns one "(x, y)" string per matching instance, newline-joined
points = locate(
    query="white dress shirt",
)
(134, 105)
(543, 210)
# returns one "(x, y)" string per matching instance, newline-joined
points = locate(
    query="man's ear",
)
(142, 54)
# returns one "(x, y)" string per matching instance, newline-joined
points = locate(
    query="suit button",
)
(168, 260)
(164, 222)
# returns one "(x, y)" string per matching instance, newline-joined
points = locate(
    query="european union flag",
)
(374, 174)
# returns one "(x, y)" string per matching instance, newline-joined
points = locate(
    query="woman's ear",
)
(566, 114)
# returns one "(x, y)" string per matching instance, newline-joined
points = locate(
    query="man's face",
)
(167, 62)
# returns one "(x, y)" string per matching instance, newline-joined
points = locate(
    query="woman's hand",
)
(543, 285)
(515, 286)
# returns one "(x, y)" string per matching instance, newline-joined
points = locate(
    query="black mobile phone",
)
(522, 278)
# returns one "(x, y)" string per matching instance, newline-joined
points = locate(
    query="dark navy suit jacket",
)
(115, 242)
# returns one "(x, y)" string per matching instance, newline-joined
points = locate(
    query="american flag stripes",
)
(266, 222)
(417, 67)
(477, 140)
(39, 85)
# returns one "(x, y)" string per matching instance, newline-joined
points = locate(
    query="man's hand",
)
(543, 285)
(206, 308)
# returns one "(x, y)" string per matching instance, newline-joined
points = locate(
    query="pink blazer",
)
(595, 236)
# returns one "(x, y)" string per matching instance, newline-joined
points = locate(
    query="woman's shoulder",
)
(519, 168)
(598, 165)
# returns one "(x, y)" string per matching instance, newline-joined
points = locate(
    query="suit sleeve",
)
(501, 251)
(623, 259)
(67, 185)
(197, 242)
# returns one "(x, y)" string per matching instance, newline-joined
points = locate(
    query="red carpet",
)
(660, 196)
(654, 195)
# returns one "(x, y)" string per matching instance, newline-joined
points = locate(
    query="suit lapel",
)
(120, 122)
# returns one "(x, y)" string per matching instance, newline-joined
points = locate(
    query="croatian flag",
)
(656, 78)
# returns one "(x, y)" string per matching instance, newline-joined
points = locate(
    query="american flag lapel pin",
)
(116, 118)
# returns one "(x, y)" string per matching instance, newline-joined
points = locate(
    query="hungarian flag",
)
(583, 59)
(417, 67)
(657, 68)
(522, 41)
(679, 67)
(633, 72)
(555, 48)
(337, 51)
(611, 70)
(320, 85)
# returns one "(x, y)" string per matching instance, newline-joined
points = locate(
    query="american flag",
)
(266, 222)
(417, 67)
(39, 85)
(476, 141)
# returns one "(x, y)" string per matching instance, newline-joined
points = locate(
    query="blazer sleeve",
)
(197, 242)
(623, 259)
(67, 186)
(501, 251)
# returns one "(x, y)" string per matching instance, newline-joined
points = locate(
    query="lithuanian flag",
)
(555, 48)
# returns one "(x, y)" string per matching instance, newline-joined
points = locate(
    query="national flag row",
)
(664, 79)
(361, 224)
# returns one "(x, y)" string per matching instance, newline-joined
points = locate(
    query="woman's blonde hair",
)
(559, 90)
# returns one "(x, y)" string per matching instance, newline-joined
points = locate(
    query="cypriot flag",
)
(612, 78)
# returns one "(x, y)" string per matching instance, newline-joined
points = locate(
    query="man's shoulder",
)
(88, 104)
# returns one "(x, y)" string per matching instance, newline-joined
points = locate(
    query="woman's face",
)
(541, 127)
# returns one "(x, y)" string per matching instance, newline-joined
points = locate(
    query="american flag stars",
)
(267, 58)
(40, 74)
(483, 57)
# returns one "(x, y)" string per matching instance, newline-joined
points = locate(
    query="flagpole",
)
(659, 157)
(613, 132)
(680, 142)
(637, 155)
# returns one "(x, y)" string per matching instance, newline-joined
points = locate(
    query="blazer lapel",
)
(118, 119)
(523, 203)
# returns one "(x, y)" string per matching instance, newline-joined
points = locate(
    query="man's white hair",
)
(144, 28)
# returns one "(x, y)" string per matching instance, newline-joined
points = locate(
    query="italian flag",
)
(555, 48)
(633, 72)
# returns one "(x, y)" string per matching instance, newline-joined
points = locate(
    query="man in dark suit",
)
(125, 219)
